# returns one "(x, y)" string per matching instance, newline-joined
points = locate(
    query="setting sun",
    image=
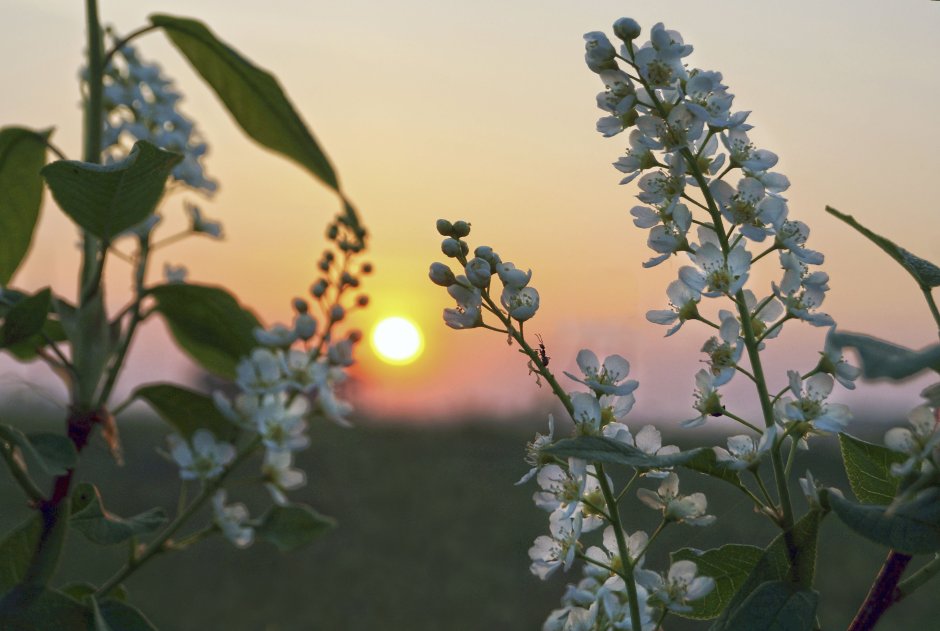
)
(397, 340)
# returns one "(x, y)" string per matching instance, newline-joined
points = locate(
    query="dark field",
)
(432, 535)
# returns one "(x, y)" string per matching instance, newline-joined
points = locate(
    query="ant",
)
(543, 355)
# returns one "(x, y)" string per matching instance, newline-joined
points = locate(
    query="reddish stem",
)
(884, 592)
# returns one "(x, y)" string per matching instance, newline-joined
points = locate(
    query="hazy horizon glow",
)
(485, 112)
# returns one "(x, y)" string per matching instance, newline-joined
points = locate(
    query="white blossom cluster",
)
(570, 491)
(290, 376)
(519, 300)
(140, 103)
(685, 146)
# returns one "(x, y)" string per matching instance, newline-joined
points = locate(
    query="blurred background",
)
(484, 111)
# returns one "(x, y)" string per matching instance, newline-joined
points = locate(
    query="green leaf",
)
(705, 461)
(106, 200)
(55, 453)
(911, 528)
(100, 623)
(22, 155)
(208, 324)
(868, 468)
(252, 96)
(292, 526)
(776, 565)
(729, 565)
(25, 319)
(121, 616)
(777, 606)
(34, 608)
(609, 451)
(16, 552)
(52, 330)
(91, 519)
(884, 359)
(925, 273)
(186, 410)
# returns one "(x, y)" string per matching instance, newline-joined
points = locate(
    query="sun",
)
(397, 340)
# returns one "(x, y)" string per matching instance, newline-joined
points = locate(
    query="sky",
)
(485, 111)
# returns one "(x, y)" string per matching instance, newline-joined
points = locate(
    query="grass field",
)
(432, 535)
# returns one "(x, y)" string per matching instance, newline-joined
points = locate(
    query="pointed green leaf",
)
(609, 451)
(55, 453)
(925, 273)
(777, 606)
(31, 608)
(91, 519)
(22, 155)
(705, 461)
(868, 468)
(208, 324)
(25, 319)
(106, 200)
(884, 359)
(16, 552)
(776, 565)
(912, 528)
(186, 410)
(729, 565)
(252, 95)
(292, 526)
(26, 349)
(121, 616)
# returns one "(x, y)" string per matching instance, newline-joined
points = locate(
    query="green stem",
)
(94, 115)
(20, 474)
(931, 303)
(763, 488)
(159, 544)
(918, 578)
(636, 476)
(735, 417)
(121, 42)
(117, 362)
(791, 456)
(625, 560)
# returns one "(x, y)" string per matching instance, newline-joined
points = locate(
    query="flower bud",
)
(318, 288)
(305, 327)
(366, 268)
(445, 228)
(362, 300)
(441, 275)
(627, 29)
(461, 229)
(300, 305)
(451, 247)
(478, 272)
(337, 313)
(512, 277)
(486, 253)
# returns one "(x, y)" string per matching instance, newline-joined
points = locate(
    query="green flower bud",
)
(627, 29)
(451, 247)
(461, 229)
(445, 228)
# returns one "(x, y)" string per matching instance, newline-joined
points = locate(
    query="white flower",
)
(260, 373)
(810, 406)
(650, 442)
(741, 452)
(520, 303)
(833, 363)
(724, 352)
(558, 550)
(917, 442)
(604, 379)
(469, 299)
(689, 509)
(478, 272)
(609, 555)
(716, 276)
(202, 225)
(280, 476)
(683, 301)
(513, 277)
(680, 585)
(231, 520)
(282, 428)
(534, 455)
(707, 399)
(202, 459)
(586, 412)
(660, 60)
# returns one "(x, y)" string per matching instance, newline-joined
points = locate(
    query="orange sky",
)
(485, 111)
